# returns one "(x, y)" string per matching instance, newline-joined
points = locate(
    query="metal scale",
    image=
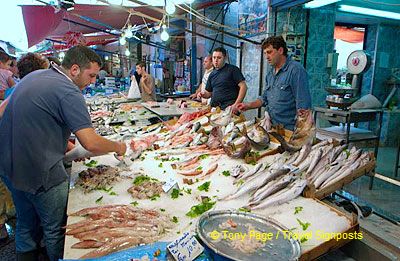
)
(342, 97)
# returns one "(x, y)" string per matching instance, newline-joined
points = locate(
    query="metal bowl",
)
(276, 248)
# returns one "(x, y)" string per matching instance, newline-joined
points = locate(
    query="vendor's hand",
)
(193, 96)
(121, 148)
(302, 112)
(240, 107)
(200, 95)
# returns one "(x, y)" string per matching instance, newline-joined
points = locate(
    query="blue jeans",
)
(45, 208)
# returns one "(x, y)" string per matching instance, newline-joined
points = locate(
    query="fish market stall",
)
(172, 108)
(209, 161)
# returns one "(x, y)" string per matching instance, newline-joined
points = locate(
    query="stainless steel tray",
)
(278, 248)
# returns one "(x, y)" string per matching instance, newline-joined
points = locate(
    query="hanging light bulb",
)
(122, 40)
(127, 52)
(128, 32)
(106, 58)
(164, 35)
(170, 8)
(61, 55)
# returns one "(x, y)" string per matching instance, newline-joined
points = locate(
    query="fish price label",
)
(185, 248)
(169, 184)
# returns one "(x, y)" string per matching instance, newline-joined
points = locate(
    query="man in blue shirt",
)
(226, 84)
(286, 91)
(46, 106)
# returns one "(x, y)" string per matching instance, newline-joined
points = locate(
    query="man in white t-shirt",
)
(208, 67)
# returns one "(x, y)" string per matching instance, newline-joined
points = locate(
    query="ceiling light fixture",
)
(170, 8)
(122, 40)
(128, 32)
(368, 11)
(319, 3)
(127, 52)
(164, 35)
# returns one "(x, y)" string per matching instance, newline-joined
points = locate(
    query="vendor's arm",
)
(242, 92)
(148, 84)
(204, 94)
(301, 91)
(97, 144)
(248, 106)
(194, 95)
(207, 93)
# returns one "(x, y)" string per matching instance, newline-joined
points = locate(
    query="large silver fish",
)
(283, 196)
(270, 188)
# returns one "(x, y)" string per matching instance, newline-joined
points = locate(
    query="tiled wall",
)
(370, 48)
(231, 19)
(320, 43)
(387, 59)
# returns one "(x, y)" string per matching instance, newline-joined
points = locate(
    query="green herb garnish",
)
(203, 156)
(174, 219)
(304, 226)
(155, 197)
(303, 239)
(142, 178)
(226, 173)
(99, 199)
(244, 210)
(240, 183)
(91, 164)
(160, 165)
(175, 193)
(134, 203)
(199, 209)
(162, 210)
(297, 210)
(205, 186)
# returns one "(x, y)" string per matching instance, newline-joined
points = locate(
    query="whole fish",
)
(270, 188)
(304, 152)
(266, 122)
(246, 188)
(258, 137)
(347, 170)
(283, 196)
(273, 174)
(314, 161)
(325, 175)
(251, 172)
(284, 144)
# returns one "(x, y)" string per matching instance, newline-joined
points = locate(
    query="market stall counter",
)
(310, 220)
(212, 163)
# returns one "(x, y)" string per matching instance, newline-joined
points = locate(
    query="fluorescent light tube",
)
(319, 3)
(368, 11)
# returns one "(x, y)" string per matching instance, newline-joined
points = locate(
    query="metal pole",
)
(193, 58)
(260, 84)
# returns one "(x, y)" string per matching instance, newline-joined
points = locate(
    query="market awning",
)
(43, 22)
